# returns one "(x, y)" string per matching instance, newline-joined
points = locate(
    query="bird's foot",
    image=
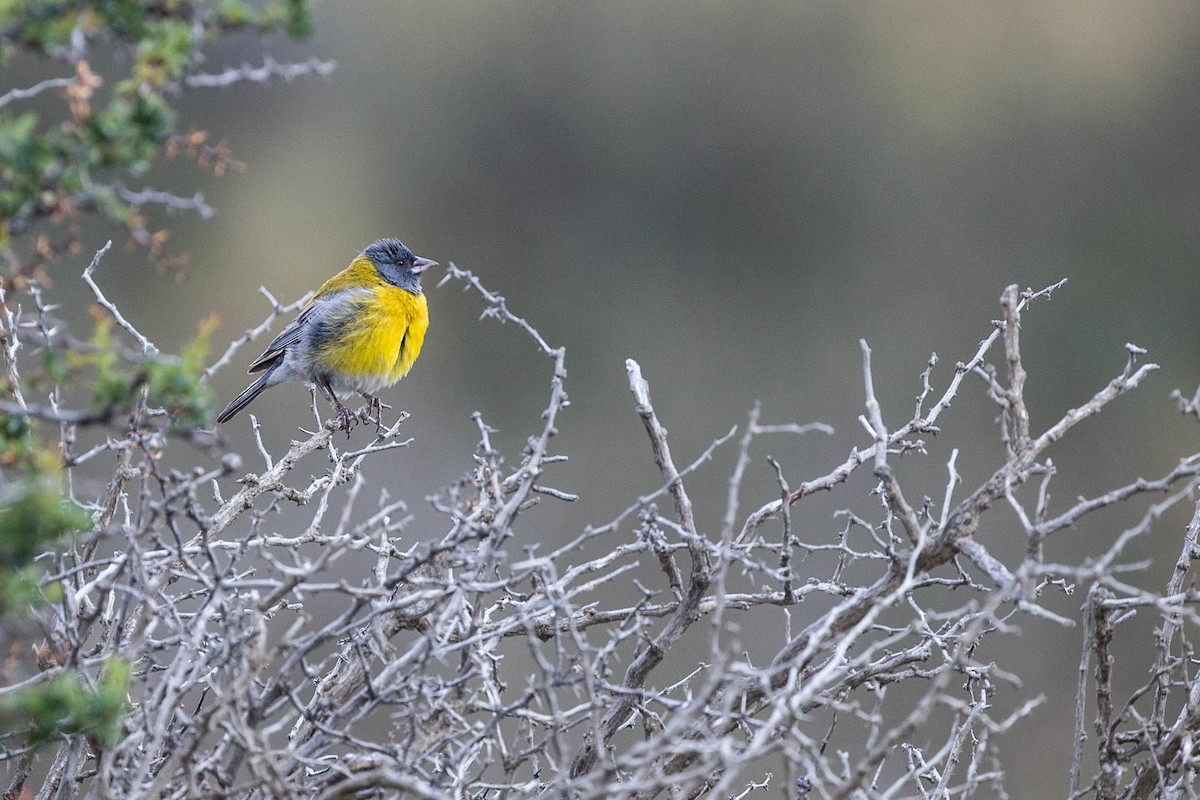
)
(344, 414)
(347, 417)
(377, 406)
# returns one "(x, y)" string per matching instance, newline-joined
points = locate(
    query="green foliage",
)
(173, 384)
(27, 162)
(48, 25)
(20, 593)
(164, 53)
(55, 166)
(55, 367)
(64, 705)
(297, 18)
(127, 133)
(15, 441)
(176, 385)
(33, 516)
(111, 384)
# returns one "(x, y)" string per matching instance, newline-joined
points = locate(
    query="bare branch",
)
(147, 347)
(270, 69)
(13, 95)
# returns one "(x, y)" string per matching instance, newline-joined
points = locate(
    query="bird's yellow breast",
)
(375, 341)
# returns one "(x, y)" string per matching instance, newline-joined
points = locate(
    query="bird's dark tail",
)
(242, 400)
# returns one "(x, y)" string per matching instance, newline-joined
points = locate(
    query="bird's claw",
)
(376, 411)
(347, 417)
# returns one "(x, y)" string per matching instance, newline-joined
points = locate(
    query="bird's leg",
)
(377, 407)
(344, 413)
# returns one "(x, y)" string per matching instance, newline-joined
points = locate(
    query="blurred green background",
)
(733, 194)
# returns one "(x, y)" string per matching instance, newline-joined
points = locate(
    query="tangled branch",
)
(447, 668)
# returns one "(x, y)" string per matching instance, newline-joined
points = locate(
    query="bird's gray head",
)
(397, 264)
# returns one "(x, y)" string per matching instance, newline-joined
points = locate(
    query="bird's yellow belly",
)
(378, 342)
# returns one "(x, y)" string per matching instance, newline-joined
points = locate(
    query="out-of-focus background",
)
(734, 195)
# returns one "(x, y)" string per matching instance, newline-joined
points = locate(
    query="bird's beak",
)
(422, 264)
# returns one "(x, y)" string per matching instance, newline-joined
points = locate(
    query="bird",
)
(361, 332)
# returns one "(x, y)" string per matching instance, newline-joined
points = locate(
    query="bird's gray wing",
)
(313, 320)
(288, 336)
